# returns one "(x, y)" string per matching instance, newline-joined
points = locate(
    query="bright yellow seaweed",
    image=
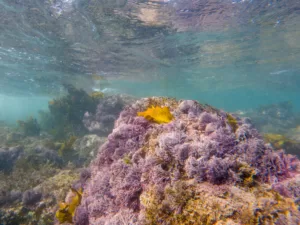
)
(157, 114)
(66, 211)
(62, 214)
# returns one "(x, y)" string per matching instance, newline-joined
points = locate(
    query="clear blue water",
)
(234, 55)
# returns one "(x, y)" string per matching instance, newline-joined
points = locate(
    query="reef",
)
(34, 177)
(203, 166)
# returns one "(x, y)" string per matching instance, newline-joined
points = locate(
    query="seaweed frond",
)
(232, 122)
(157, 114)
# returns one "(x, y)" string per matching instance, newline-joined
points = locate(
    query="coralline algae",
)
(204, 167)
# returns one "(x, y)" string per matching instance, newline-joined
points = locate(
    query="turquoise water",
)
(20, 108)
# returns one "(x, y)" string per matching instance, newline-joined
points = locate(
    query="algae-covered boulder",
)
(102, 121)
(201, 166)
(8, 157)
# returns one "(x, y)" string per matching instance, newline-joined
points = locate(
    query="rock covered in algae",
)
(203, 167)
(108, 110)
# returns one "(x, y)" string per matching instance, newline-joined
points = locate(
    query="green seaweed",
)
(97, 95)
(66, 113)
(29, 127)
(127, 160)
(66, 150)
(232, 122)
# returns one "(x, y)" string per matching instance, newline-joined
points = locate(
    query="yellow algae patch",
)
(66, 211)
(97, 94)
(157, 114)
(232, 122)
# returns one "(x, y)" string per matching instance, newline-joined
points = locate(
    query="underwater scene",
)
(150, 112)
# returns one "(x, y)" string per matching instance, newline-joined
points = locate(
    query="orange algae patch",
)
(157, 114)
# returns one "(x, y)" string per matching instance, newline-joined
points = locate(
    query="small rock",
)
(14, 136)
(8, 157)
(31, 197)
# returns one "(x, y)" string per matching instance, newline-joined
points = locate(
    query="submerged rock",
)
(31, 197)
(14, 137)
(107, 112)
(8, 157)
(8, 197)
(203, 167)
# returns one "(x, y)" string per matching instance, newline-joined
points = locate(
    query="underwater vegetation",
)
(232, 122)
(29, 127)
(279, 124)
(278, 140)
(274, 118)
(66, 113)
(22, 177)
(66, 211)
(201, 167)
(108, 109)
(34, 168)
(36, 205)
(41, 159)
(66, 150)
(31, 178)
(97, 95)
